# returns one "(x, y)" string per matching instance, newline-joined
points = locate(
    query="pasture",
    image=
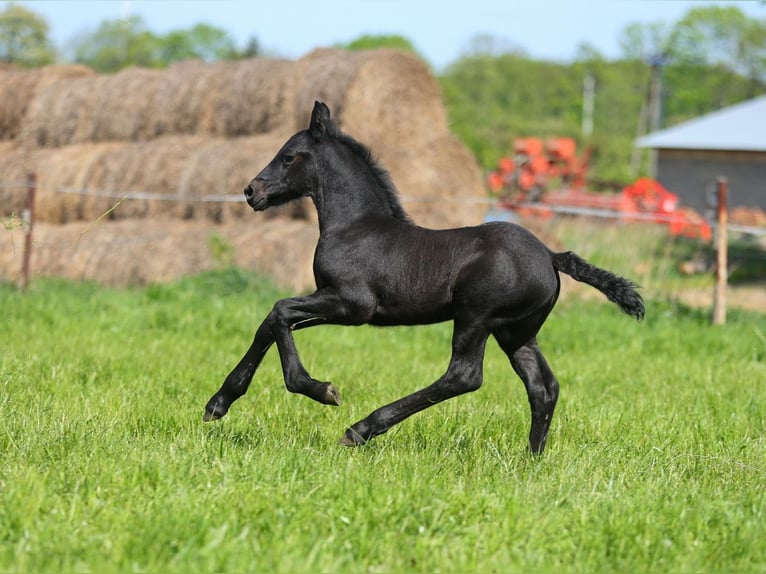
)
(656, 460)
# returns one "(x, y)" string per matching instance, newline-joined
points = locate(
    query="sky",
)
(440, 30)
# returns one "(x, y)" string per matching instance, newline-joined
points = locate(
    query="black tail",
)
(617, 289)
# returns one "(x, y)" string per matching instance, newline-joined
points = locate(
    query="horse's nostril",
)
(248, 192)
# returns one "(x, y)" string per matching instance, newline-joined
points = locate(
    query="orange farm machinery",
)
(545, 179)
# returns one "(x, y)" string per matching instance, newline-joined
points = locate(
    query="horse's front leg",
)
(296, 313)
(236, 383)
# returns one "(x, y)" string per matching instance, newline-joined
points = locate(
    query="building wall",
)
(692, 175)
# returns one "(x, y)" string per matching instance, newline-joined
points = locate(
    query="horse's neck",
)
(351, 199)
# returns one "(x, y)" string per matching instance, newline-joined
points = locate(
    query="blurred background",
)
(138, 124)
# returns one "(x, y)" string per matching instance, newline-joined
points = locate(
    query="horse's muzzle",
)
(255, 194)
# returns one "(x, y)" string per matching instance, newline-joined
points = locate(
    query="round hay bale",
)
(115, 252)
(376, 96)
(19, 87)
(224, 99)
(259, 98)
(440, 183)
(15, 165)
(394, 97)
(132, 171)
(93, 109)
(58, 171)
(63, 173)
(325, 75)
(182, 104)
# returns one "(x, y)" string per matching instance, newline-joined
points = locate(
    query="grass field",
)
(656, 460)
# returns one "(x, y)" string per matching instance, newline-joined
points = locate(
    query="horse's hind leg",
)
(463, 375)
(540, 382)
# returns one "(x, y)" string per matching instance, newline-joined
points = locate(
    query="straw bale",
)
(377, 95)
(259, 98)
(225, 99)
(394, 98)
(57, 170)
(153, 167)
(177, 166)
(65, 170)
(325, 75)
(93, 109)
(440, 183)
(19, 87)
(114, 252)
(14, 167)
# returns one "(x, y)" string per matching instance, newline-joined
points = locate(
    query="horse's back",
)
(419, 275)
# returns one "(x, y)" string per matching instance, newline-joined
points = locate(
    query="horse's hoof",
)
(213, 412)
(352, 438)
(332, 396)
(210, 417)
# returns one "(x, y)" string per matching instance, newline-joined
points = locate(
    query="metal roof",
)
(741, 127)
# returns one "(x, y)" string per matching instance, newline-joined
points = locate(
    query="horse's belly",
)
(412, 311)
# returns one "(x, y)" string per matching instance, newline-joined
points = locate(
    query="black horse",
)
(373, 265)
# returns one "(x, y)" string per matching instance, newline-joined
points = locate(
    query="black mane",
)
(379, 173)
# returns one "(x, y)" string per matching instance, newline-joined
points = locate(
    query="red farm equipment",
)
(545, 179)
(536, 166)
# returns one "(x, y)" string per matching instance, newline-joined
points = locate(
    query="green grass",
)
(655, 461)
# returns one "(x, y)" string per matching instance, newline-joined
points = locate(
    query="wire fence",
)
(496, 207)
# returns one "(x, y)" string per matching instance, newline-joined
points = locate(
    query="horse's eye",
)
(288, 158)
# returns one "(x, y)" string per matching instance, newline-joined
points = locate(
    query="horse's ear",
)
(321, 122)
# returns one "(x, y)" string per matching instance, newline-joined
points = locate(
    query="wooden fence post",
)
(29, 222)
(721, 252)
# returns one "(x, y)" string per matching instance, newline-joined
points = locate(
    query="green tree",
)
(372, 42)
(252, 48)
(491, 100)
(202, 42)
(722, 35)
(117, 44)
(24, 37)
(641, 41)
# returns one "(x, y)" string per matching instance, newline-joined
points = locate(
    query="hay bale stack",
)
(325, 75)
(444, 191)
(225, 99)
(115, 253)
(134, 170)
(197, 130)
(93, 109)
(377, 96)
(66, 170)
(176, 166)
(58, 170)
(19, 87)
(394, 98)
(222, 99)
(14, 168)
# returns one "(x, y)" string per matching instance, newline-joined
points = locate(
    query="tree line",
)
(711, 58)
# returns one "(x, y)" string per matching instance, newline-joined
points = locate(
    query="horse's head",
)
(293, 172)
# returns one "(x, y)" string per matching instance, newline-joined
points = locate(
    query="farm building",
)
(730, 142)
